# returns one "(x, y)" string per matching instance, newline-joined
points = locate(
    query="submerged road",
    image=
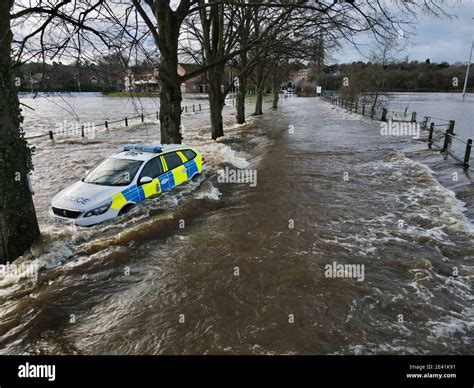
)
(253, 271)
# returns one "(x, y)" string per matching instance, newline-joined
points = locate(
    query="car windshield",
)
(114, 172)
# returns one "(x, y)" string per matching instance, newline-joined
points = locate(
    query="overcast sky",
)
(437, 39)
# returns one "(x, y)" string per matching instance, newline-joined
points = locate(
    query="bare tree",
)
(384, 53)
(165, 26)
(226, 33)
(258, 26)
(18, 224)
(215, 36)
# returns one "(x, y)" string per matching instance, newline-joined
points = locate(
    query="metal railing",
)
(441, 131)
(126, 121)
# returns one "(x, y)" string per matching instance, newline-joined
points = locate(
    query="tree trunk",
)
(216, 102)
(170, 84)
(276, 98)
(259, 102)
(213, 48)
(260, 76)
(260, 89)
(275, 92)
(170, 109)
(18, 224)
(240, 100)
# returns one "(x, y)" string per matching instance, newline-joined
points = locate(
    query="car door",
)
(153, 169)
(175, 168)
(189, 157)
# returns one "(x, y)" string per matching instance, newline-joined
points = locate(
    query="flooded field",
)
(248, 272)
(46, 112)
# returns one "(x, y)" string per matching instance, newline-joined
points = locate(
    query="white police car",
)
(122, 181)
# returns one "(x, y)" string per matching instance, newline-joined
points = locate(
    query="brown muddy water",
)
(247, 273)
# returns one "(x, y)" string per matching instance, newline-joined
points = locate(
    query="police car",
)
(120, 182)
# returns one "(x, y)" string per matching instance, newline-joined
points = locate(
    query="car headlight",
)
(98, 210)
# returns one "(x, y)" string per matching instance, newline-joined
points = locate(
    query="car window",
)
(172, 160)
(152, 169)
(190, 155)
(114, 172)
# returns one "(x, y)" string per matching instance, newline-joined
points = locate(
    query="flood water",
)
(440, 108)
(46, 112)
(247, 273)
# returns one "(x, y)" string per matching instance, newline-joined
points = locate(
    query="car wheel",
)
(126, 209)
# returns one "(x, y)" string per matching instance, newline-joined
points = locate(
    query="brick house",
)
(149, 81)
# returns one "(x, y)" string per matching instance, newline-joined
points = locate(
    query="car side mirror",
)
(146, 179)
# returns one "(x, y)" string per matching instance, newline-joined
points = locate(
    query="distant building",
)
(299, 81)
(33, 78)
(196, 84)
(94, 80)
(296, 77)
(141, 82)
(38, 77)
(149, 81)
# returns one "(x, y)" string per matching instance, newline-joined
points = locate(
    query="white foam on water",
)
(218, 153)
(373, 348)
(422, 292)
(211, 192)
(450, 326)
(434, 201)
(83, 259)
(46, 254)
(445, 221)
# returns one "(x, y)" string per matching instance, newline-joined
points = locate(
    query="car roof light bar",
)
(142, 148)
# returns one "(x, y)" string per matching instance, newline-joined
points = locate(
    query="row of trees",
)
(366, 78)
(109, 72)
(251, 35)
(105, 75)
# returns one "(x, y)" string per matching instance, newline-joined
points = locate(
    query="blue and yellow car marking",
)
(151, 189)
(164, 182)
(163, 162)
(191, 169)
(182, 157)
(180, 175)
(118, 201)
